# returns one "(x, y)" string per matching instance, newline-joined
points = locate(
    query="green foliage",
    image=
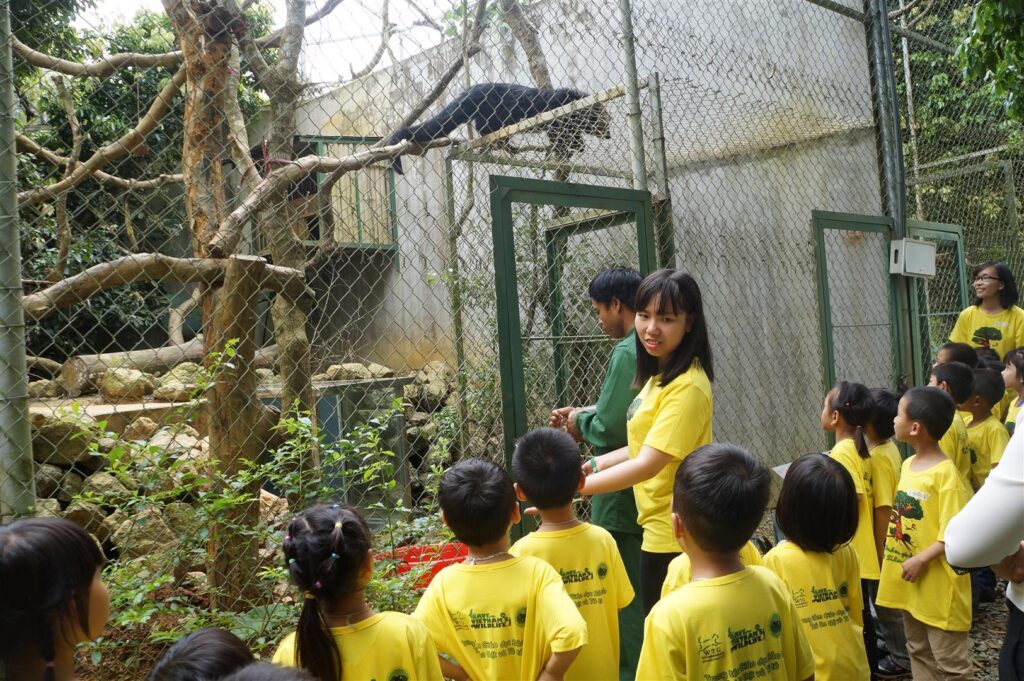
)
(993, 50)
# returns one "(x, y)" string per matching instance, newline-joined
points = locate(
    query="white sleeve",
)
(991, 525)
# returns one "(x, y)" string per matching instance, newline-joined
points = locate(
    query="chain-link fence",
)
(236, 304)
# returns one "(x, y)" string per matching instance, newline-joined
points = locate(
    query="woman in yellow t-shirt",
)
(328, 555)
(670, 417)
(994, 321)
(847, 411)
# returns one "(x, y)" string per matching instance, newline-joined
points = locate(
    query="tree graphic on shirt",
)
(904, 506)
(985, 335)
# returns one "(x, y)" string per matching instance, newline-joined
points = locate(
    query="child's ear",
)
(915, 428)
(516, 515)
(582, 483)
(520, 495)
(368, 565)
(445, 520)
(677, 526)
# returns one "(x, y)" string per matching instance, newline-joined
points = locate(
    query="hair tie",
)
(846, 403)
(308, 596)
(287, 537)
(337, 524)
(335, 505)
(334, 556)
(317, 584)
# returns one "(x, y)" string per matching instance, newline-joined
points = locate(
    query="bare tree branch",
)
(176, 317)
(896, 14)
(925, 11)
(385, 36)
(61, 209)
(115, 150)
(142, 267)
(238, 137)
(99, 69)
(274, 39)
(526, 33)
(291, 39)
(427, 19)
(43, 364)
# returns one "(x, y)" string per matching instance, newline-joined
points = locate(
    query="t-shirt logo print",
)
(398, 675)
(633, 406)
(986, 335)
(602, 571)
(775, 625)
(710, 647)
(904, 506)
(521, 617)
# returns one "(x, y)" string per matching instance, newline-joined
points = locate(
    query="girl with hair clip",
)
(328, 554)
(52, 597)
(817, 511)
(847, 412)
(670, 418)
(994, 321)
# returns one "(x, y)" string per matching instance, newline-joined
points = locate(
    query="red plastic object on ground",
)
(435, 556)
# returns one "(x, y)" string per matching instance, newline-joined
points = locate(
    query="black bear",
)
(493, 106)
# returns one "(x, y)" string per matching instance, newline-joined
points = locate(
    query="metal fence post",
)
(636, 125)
(17, 493)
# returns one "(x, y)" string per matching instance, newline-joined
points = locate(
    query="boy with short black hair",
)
(498, 616)
(986, 435)
(546, 466)
(957, 352)
(916, 578)
(731, 620)
(956, 379)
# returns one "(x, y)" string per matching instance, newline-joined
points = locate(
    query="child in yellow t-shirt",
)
(680, 571)
(1013, 379)
(957, 379)
(915, 575)
(817, 512)
(986, 435)
(546, 466)
(328, 554)
(847, 412)
(497, 615)
(732, 620)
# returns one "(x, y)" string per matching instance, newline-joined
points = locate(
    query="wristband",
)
(593, 464)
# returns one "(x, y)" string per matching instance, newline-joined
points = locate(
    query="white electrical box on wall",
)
(912, 258)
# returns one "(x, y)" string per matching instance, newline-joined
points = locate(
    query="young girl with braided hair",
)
(52, 597)
(328, 554)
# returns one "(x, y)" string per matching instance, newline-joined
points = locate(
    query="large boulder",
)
(90, 517)
(379, 370)
(352, 371)
(104, 486)
(141, 428)
(63, 438)
(119, 383)
(47, 480)
(71, 486)
(47, 508)
(179, 384)
(266, 376)
(273, 509)
(431, 386)
(142, 533)
(174, 440)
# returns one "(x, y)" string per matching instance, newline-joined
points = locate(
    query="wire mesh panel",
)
(939, 299)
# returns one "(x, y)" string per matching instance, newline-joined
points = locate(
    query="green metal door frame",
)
(933, 231)
(626, 205)
(820, 222)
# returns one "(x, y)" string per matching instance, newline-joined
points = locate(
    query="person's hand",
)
(912, 568)
(1011, 568)
(559, 417)
(570, 425)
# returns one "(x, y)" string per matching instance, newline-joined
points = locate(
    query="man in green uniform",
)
(603, 425)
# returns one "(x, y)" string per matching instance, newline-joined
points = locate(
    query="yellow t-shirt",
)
(592, 571)
(826, 592)
(1012, 412)
(966, 416)
(674, 419)
(925, 503)
(1003, 408)
(987, 441)
(502, 620)
(389, 646)
(680, 572)
(1002, 332)
(845, 452)
(884, 466)
(740, 626)
(955, 445)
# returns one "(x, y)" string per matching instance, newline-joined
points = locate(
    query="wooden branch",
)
(265, 75)
(98, 69)
(176, 317)
(427, 20)
(238, 137)
(896, 14)
(142, 267)
(526, 33)
(113, 151)
(61, 209)
(273, 40)
(291, 40)
(385, 36)
(48, 366)
(230, 230)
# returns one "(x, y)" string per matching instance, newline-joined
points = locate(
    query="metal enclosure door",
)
(856, 299)
(550, 238)
(935, 303)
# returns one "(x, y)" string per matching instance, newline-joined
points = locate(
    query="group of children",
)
(863, 538)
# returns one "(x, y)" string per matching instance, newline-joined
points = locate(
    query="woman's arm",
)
(606, 461)
(558, 665)
(645, 466)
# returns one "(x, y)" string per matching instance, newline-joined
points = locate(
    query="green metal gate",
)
(550, 238)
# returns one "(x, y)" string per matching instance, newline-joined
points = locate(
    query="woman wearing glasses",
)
(994, 321)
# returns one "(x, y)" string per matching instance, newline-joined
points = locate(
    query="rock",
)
(351, 371)
(192, 469)
(71, 485)
(141, 428)
(142, 534)
(435, 371)
(104, 486)
(47, 480)
(321, 377)
(379, 370)
(89, 517)
(273, 509)
(418, 418)
(174, 440)
(120, 383)
(182, 519)
(186, 372)
(63, 438)
(199, 582)
(266, 376)
(37, 389)
(174, 391)
(47, 508)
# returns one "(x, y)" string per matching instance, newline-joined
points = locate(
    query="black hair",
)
(958, 376)
(677, 292)
(817, 508)
(987, 354)
(1015, 358)
(262, 671)
(721, 491)
(204, 655)
(618, 283)
(478, 500)
(988, 384)
(933, 408)
(961, 352)
(887, 403)
(546, 464)
(47, 567)
(1008, 297)
(991, 364)
(854, 403)
(325, 549)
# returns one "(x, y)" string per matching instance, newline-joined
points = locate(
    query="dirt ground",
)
(987, 634)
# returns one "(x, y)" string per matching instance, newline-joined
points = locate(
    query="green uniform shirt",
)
(604, 426)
